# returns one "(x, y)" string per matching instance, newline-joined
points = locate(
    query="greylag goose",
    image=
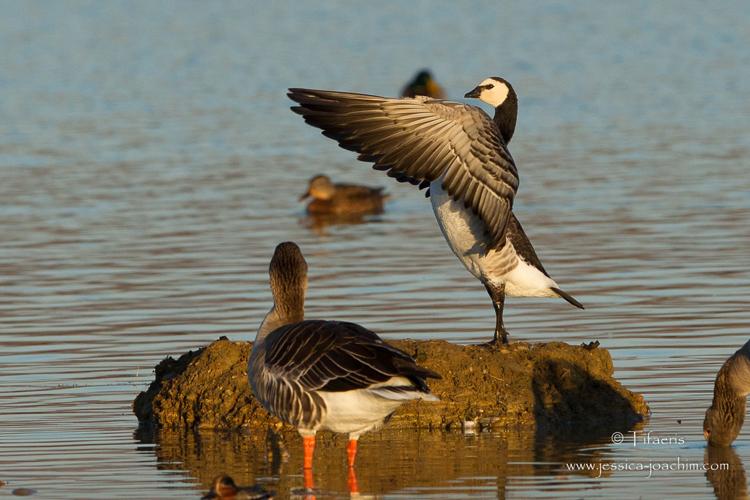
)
(325, 375)
(342, 199)
(224, 488)
(423, 84)
(461, 156)
(725, 416)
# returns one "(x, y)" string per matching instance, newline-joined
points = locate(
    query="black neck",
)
(505, 116)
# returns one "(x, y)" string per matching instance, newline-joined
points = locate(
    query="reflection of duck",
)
(342, 199)
(423, 84)
(726, 414)
(725, 472)
(319, 223)
(330, 375)
(462, 156)
(224, 488)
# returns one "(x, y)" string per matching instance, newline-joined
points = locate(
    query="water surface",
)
(149, 165)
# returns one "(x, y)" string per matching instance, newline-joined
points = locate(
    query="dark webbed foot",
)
(499, 340)
(591, 345)
(497, 294)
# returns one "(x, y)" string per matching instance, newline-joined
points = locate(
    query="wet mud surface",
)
(549, 386)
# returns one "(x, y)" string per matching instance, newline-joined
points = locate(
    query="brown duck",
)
(224, 488)
(342, 199)
(724, 418)
(423, 84)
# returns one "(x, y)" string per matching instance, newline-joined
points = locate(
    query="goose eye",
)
(490, 86)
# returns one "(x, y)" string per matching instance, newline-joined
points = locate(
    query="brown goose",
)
(342, 199)
(423, 84)
(461, 155)
(325, 375)
(725, 416)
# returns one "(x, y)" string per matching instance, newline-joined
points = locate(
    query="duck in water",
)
(423, 84)
(342, 199)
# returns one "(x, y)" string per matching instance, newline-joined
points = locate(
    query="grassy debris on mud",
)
(550, 385)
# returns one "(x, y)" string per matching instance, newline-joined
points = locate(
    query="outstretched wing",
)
(420, 140)
(337, 356)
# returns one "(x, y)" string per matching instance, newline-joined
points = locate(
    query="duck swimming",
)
(342, 199)
(423, 84)
(461, 155)
(725, 416)
(224, 488)
(325, 375)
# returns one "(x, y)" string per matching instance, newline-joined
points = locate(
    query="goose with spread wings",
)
(461, 156)
(326, 375)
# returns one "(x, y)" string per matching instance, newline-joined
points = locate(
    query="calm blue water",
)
(149, 165)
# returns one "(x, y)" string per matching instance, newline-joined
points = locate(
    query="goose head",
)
(319, 188)
(494, 90)
(498, 93)
(725, 416)
(721, 426)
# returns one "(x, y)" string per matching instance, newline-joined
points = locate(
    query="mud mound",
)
(553, 385)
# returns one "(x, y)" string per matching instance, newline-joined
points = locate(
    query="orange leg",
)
(353, 486)
(351, 452)
(309, 486)
(308, 444)
(351, 455)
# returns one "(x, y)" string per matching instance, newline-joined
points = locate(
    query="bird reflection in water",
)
(391, 461)
(728, 482)
(320, 223)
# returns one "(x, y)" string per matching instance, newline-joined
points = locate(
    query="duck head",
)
(223, 487)
(319, 188)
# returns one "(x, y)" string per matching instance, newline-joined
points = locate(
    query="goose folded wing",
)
(419, 140)
(337, 356)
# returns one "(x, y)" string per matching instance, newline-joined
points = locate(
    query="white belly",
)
(355, 412)
(358, 411)
(465, 234)
(462, 230)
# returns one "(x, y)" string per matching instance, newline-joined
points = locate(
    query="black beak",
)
(474, 93)
(304, 196)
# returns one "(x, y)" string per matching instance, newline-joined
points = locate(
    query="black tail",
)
(568, 297)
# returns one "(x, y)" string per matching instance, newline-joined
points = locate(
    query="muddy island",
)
(545, 386)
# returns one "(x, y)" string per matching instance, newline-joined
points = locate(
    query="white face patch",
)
(496, 95)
